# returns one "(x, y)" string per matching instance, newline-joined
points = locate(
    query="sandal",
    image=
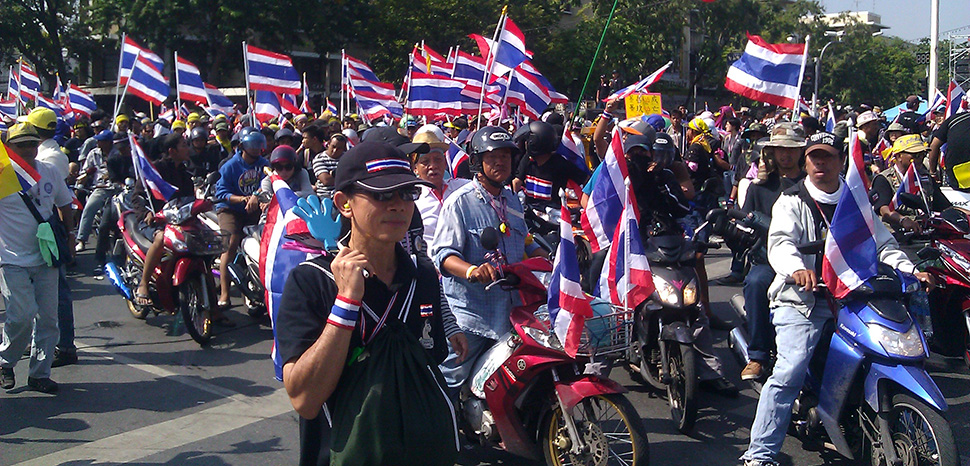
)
(143, 300)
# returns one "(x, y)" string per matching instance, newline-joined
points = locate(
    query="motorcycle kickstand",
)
(570, 422)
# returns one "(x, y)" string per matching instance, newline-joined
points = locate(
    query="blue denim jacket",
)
(464, 215)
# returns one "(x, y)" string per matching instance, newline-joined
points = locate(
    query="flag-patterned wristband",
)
(344, 313)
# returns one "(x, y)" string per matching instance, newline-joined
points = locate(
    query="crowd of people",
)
(408, 214)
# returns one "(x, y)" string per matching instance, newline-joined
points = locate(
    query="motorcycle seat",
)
(670, 250)
(133, 226)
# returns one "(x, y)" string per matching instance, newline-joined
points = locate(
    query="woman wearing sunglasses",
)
(283, 162)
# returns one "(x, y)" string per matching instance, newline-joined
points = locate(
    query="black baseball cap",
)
(375, 166)
(389, 135)
(822, 141)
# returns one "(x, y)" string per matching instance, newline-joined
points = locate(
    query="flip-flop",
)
(143, 300)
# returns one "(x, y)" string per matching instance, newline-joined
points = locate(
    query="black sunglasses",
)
(410, 193)
(283, 167)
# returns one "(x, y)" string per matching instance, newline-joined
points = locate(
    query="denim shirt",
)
(464, 215)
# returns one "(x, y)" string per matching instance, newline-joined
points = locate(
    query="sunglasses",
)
(282, 167)
(26, 145)
(410, 193)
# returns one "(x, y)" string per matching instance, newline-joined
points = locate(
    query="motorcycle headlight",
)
(690, 293)
(908, 343)
(547, 339)
(177, 244)
(665, 291)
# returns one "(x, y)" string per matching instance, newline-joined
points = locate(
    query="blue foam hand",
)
(319, 219)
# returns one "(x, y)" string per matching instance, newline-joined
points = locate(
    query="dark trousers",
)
(109, 223)
(761, 334)
(65, 313)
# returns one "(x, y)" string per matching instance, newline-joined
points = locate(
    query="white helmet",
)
(429, 128)
(351, 135)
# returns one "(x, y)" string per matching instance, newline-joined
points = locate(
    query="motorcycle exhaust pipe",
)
(738, 343)
(240, 275)
(116, 279)
(737, 303)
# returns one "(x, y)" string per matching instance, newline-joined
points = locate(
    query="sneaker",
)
(98, 271)
(758, 463)
(45, 385)
(64, 358)
(7, 379)
(733, 279)
(752, 371)
(79, 246)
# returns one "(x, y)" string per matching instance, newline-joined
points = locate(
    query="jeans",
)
(760, 332)
(796, 338)
(109, 220)
(455, 373)
(95, 202)
(30, 297)
(65, 313)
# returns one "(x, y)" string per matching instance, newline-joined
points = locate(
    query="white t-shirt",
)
(18, 234)
(50, 152)
(429, 205)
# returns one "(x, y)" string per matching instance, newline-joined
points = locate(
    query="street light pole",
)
(818, 67)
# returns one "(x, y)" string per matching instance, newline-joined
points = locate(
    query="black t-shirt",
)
(205, 161)
(119, 167)
(761, 198)
(309, 295)
(955, 132)
(543, 182)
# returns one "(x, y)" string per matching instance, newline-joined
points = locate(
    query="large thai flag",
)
(830, 120)
(605, 206)
(266, 106)
(954, 98)
(129, 50)
(360, 83)
(431, 95)
(909, 184)
(572, 149)
(144, 169)
(29, 81)
(276, 261)
(528, 94)
(8, 108)
(361, 68)
(554, 97)
(147, 82)
(471, 70)
(270, 71)
(850, 246)
(190, 84)
(768, 73)
(568, 305)
(81, 101)
(640, 85)
(629, 281)
(13, 84)
(510, 50)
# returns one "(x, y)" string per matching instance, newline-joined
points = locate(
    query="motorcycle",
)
(527, 395)
(182, 282)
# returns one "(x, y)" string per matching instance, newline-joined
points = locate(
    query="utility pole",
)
(932, 82)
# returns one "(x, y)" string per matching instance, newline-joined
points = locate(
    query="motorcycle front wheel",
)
(132, 275)
(197, 318)
(610, 429)
(682, 390)
(920, 435)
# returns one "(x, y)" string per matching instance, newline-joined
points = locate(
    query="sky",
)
(909, 19)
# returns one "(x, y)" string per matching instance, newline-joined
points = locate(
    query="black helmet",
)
(664, 149)
(487, 139)
(198, 133)
(536, 138)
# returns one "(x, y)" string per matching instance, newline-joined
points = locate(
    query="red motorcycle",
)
(528, 396)
(182, 282)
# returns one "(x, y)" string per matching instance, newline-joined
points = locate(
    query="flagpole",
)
(249, 103)
(801, 74)
(490, 62)
(123, 94)
(178, 93)
(343, 84)
(626, 245)
(454, 62)
(121, 55)
(407, 95)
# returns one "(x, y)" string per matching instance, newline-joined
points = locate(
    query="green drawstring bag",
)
(51, 235)
(48, 244)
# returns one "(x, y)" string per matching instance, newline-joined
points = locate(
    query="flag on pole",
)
(830, 121)
(510, 49)
(909, 183)
(627, 255)
(43, 101)
(768, 73)
(8, 108)
(147, 82)
(455, 155)
(29, 81)
(850, 247)
(190, 84)
(938, 100)
(954, 98)
(640, 85)
(568, 305)
(270, 71)
(424, 60)
(528, 69)
(331, 107)
(572, 149)
(606, 202)
(129, 50)
(432, 95)
(15, 174)
(266, 106)
(13, 84)
(159, 188)
(288, 104)
(81, 101)
(305, 106)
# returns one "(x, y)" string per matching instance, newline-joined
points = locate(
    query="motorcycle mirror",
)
(928, 254)
(212, 177)
(130, 182)
(489, 239)
(912, 201)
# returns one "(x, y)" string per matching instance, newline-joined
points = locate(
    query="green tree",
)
(39, 31)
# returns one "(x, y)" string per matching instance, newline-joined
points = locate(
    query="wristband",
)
(607, 115)
(468, 273)
(344, 313)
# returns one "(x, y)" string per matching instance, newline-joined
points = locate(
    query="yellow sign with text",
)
(643, 104)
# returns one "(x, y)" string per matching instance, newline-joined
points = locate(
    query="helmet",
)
(351, 135)
(664, 150)
(283, 133)
(283, 153)
(254, 143)
(198, 133)
(487, 139)
(536, 138)
(243, 132)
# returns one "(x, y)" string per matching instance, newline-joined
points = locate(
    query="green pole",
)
(596, 54)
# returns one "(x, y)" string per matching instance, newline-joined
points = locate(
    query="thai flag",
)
(527, 94)
(882, 150)
(276, 261)
(428, 62)
(184, 111)
(129, 50)
(850, 246)
(954, 98)
(190, 84)
(13, 84)
(270, 71)
(81, 101)
(803, 106)
(331, 107)
(471, 70)
(288, 104)
(510, 51)
(305, 106)
(29, 81)
(554, 97)
(147, 82)
(605, 206)
(144, 169)
(568, 306)
(572, 149)
(167, 114)
(8, 108)
(538, 188)
(640, 85)
(216, 97)
(432, 95)
(909, 184)
(26, 175)
(43, 101)
(768, 73)
(455, 155)
(628, 257)
(374, 108)
(361, 68)
(938, 100)
(267, 106)
(360, 83)
(830, 121)
(60, 90)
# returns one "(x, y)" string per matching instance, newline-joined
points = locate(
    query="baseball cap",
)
(389, 135)
(634, 126)
(787, 134)
(636, 140)
(912, 143)
(823, 141)
(865, 117)
(22, 133)
(755, 128)
(106, 135)
(42, 118)
(896, 126)
(222, 126)
(375, 166)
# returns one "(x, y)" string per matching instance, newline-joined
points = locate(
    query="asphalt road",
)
(141, 394)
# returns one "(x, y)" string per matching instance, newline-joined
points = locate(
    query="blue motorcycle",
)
(867, 395)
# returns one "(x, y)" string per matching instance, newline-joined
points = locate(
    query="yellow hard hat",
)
(194, 117)
(43, 118)
(178, 124)
(121, 118)
(21, 133)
